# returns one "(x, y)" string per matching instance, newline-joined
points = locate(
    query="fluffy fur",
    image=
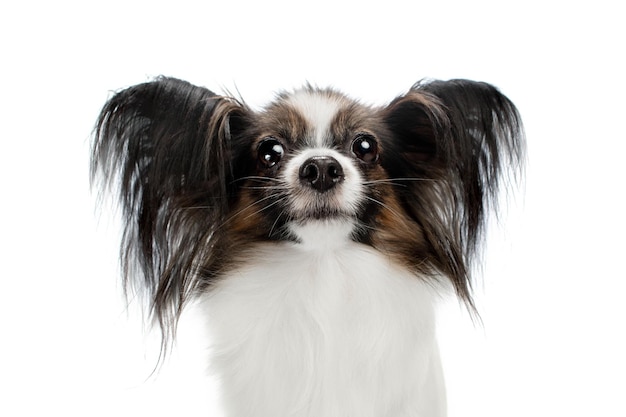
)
(317, 229)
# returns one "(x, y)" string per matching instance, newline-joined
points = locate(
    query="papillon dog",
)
(318, 231)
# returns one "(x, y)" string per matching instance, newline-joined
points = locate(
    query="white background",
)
(552, 299)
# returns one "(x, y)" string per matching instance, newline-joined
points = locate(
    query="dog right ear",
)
(165, 147)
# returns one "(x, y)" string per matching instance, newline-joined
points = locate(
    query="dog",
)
(319, 232)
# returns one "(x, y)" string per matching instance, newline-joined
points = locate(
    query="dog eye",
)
(365, 147)
(270, 152)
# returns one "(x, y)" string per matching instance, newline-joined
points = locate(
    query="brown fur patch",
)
(396, 234)
(283, 121)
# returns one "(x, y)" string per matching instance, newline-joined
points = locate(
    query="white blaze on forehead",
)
(319, 110)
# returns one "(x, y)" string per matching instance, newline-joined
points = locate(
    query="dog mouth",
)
(324, 213)
(310, 201)
(323, 186)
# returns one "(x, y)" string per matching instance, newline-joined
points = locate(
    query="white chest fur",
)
(334, 332)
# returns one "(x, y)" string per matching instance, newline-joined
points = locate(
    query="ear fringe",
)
(468, 138)
(165, 147)
(486, 146)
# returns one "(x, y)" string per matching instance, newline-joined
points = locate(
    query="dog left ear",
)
(453, 142)
(482, 144)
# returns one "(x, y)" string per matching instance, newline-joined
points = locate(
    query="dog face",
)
(314, 158)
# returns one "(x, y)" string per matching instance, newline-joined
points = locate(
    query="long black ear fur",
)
(165, 146)
(463, 138)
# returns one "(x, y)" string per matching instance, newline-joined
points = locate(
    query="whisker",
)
(257, 178)
(278, 183)
(193, 208)
(393, 181)
(380, 203)
(280, 200)
(365, 226)
(275, 223)
(254, 203)
(257, 202)
(266, 187)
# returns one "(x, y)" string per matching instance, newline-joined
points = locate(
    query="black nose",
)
(321, 173)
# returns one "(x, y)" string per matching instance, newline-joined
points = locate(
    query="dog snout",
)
(321, 173)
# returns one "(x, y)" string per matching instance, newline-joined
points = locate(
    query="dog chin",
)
(322, 214)
(324, 232)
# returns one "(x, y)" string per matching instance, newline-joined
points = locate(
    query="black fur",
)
(166, 146)
(179, 156)
(463, 138)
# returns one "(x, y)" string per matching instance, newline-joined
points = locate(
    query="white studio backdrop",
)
(552, 296)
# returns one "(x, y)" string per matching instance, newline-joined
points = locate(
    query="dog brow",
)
(319, 109)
